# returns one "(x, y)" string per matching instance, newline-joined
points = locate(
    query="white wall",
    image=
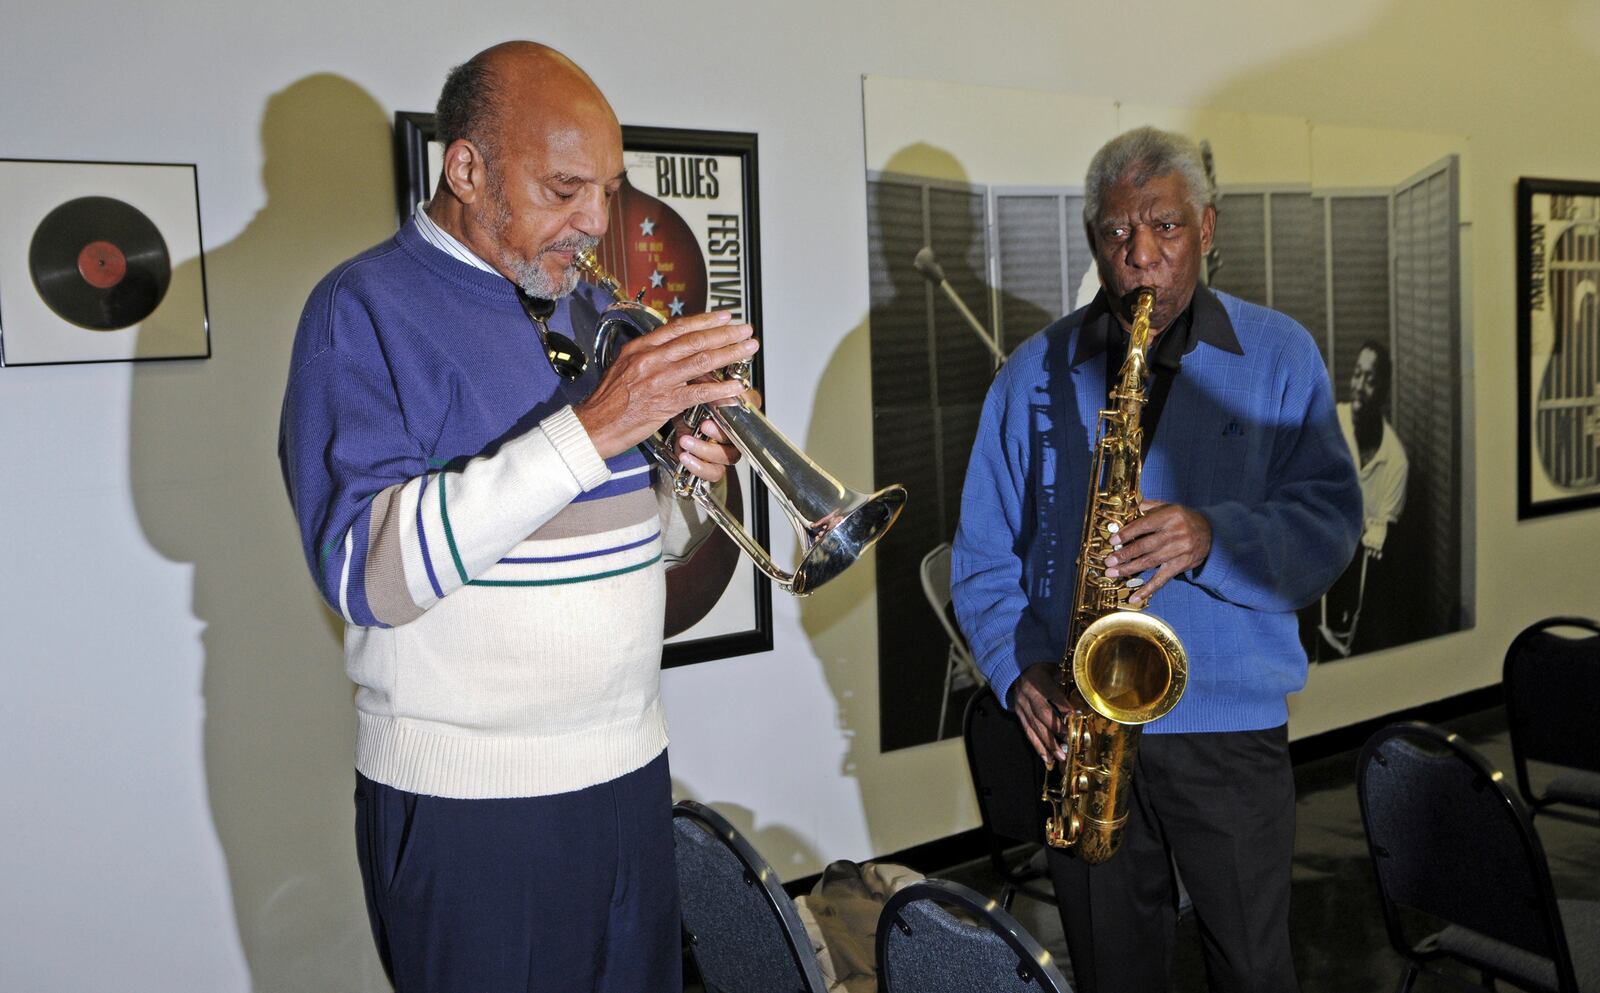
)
(175, 727)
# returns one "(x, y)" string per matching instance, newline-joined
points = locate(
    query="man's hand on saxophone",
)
(1038, 700)
(1169, 538)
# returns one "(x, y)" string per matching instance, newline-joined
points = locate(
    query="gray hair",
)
(1139, 156)
(469, 106)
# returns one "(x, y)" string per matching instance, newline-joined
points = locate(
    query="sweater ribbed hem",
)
(572, 443)
(1223, 715)
(399, 753)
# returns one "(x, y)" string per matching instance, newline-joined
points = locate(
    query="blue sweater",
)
(1248, 440)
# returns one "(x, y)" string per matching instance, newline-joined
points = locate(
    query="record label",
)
(100, 263)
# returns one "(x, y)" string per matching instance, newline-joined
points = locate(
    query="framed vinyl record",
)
(100, 262)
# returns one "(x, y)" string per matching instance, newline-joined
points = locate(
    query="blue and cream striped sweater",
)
(501, 584)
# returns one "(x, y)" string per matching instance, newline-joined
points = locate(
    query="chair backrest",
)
(1449, 839)
(936, 575)
(936, 587)
(743, 930)
(924, 947)
(1551, 682)
(1007, 775)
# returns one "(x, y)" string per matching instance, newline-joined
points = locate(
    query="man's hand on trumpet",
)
(658, 376)
(708, 453)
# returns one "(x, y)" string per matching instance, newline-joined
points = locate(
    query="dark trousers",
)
(1222, 807)
(572, 892)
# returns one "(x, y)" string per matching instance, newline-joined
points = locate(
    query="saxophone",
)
(1124, 668)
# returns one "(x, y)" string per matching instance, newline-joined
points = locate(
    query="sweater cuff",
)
(1226, 520)
(572, 443)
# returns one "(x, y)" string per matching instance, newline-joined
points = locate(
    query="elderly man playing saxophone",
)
(1251, 510)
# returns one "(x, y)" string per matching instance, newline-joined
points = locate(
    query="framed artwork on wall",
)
(684, 237)
(1558, 346)
(100, 262)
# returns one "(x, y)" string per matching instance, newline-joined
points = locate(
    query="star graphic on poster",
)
(676, 307)
(647, 227)
(655, 278)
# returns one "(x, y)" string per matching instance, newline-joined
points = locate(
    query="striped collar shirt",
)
(445, 242)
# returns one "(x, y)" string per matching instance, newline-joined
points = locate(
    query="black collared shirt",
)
(1204, 320)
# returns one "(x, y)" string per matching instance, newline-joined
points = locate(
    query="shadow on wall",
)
(774, 842)
(912, 392)
(205, 479)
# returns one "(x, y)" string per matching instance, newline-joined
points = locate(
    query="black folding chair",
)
(1551, 683)
(742, 929)
(1456, 856)
(936, 936)
(1008, 779)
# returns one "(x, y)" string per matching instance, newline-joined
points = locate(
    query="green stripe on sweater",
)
(449, 537)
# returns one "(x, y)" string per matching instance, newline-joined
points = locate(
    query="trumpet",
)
(835, 524)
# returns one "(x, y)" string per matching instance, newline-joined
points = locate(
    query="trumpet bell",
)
(855, 530)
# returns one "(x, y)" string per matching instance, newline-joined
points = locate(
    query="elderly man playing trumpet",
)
(471, 502)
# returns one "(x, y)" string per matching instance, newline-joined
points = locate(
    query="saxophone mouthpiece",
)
(1140, 298)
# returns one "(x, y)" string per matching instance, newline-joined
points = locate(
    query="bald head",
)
(532, 158)
(506, 84)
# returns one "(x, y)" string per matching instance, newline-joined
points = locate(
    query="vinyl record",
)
(99, 263)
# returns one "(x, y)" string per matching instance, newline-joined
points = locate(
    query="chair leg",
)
(1407, 977)
(1487, 979)
(1007, 894)
(944, 706)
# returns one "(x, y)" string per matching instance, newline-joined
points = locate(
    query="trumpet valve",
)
(740, 370)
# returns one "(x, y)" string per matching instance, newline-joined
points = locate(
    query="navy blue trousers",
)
(572, 892)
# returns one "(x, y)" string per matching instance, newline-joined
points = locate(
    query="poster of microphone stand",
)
(976, 238)
(1558, 341)
(683, 238)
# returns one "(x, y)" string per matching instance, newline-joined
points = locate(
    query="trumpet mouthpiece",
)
(584, 261)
